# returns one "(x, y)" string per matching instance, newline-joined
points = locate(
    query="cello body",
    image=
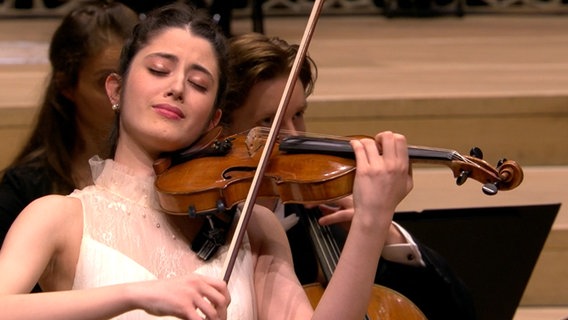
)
(385, 304)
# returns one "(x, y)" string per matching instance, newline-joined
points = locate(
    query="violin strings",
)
(457, 156)
(261, 133)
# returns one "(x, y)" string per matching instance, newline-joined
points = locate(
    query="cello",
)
(384, 304)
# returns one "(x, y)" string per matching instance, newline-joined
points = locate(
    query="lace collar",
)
(121, 180)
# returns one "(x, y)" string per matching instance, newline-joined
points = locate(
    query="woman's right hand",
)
(192, 297)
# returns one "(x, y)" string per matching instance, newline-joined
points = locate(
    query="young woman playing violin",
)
(260, 66)
(109, 250)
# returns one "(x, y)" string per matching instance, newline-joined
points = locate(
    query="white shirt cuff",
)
(287, 221)
(404, 253)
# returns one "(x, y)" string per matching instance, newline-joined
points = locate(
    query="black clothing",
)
(220, 10)
(434, 289)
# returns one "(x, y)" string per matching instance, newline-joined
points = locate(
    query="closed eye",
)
(200, 88)
(158, 72)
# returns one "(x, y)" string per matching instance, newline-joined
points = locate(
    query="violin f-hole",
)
(227, 173)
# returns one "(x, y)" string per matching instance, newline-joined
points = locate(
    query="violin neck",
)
(342, 148)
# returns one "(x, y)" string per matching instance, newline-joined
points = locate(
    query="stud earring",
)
(115, 107)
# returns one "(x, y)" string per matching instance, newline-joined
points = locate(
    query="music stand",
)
(492, 249)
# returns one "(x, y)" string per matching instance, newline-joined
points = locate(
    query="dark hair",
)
(176, 15)
(82, 34)
(254, 58)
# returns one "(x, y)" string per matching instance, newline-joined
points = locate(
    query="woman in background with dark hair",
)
(75, 118)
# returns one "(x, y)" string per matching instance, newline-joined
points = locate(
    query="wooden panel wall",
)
(530, 130)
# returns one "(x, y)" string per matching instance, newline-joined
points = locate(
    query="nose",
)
(176, 89)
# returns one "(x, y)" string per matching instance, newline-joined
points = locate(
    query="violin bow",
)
(246, 212)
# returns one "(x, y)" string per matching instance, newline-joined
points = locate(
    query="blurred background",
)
(452, 74)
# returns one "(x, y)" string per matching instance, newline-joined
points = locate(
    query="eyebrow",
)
(175, 59)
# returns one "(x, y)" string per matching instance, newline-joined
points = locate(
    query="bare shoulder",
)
(46, 234)
(57, 206)
(50, 213)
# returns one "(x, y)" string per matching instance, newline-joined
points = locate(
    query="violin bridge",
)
(255, 139)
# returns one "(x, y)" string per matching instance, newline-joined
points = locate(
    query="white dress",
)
(126, 239)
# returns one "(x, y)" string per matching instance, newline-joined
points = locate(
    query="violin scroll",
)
(506, 176)
(510, 174)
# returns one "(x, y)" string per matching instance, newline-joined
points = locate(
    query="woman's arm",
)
(278, 292)
(20, 186)
(41, 236)
(382, 181)
(44, 243)
(39, 244)
(176, 297)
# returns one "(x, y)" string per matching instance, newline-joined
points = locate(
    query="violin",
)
(215, 174)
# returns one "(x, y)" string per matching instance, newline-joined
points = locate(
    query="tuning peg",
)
(500, 162)
(490, 189)
(462, 178)
(476, 152)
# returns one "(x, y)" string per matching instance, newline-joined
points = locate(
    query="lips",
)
(169, 111)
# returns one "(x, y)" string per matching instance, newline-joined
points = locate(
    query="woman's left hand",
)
(383, 176)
